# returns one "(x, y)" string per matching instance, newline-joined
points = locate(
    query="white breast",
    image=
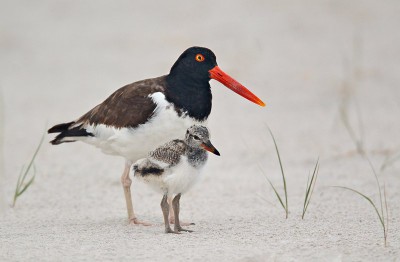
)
(135, 143)
(174, 180)
(182, 177)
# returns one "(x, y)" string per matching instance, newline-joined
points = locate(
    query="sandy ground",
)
(58, 59)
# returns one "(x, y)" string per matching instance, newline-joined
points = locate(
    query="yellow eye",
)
(199, 58)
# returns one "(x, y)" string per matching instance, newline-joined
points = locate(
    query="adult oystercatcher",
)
(143, 115)
(174, 168)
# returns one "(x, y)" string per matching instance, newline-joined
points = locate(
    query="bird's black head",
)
(188, 82)
(195, 63)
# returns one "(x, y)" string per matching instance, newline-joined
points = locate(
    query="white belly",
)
(175, 180)
(182, 178)
(135, 143)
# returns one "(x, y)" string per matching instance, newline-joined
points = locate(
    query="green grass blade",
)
(18, 186)
(21, 188)
(312, 184)
(276, 192)
(34, 156)
(369, 200)
(283, 173)
(378, 184)
(29, 182)
(20, 177)
(310, 188)
(387, 215)
(27, 185)
(305, 198)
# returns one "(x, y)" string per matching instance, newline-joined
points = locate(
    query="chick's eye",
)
(199, 58)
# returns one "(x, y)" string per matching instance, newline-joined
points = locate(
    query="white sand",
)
(58, 60)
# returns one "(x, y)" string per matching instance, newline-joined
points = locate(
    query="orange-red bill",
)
(219, 75)
(210, 148)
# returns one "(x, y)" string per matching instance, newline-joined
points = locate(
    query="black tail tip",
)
(55, 141)
(60, 127)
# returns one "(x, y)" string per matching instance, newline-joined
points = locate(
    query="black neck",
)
(189, 95)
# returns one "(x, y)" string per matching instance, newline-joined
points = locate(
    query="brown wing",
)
(169, 153)
(129, 106)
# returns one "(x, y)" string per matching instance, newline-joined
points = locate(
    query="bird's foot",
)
(135, 221)
(169, 230)
(172, 221)
(179, 229)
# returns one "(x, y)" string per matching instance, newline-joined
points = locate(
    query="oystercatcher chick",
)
(174, 168)
(143, 115)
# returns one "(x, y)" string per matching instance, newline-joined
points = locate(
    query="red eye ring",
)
(199, 58)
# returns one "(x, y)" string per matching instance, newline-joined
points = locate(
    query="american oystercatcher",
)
(174, 168)
(143, 115)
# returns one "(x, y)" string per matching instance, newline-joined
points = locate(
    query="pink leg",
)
(126, 184)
